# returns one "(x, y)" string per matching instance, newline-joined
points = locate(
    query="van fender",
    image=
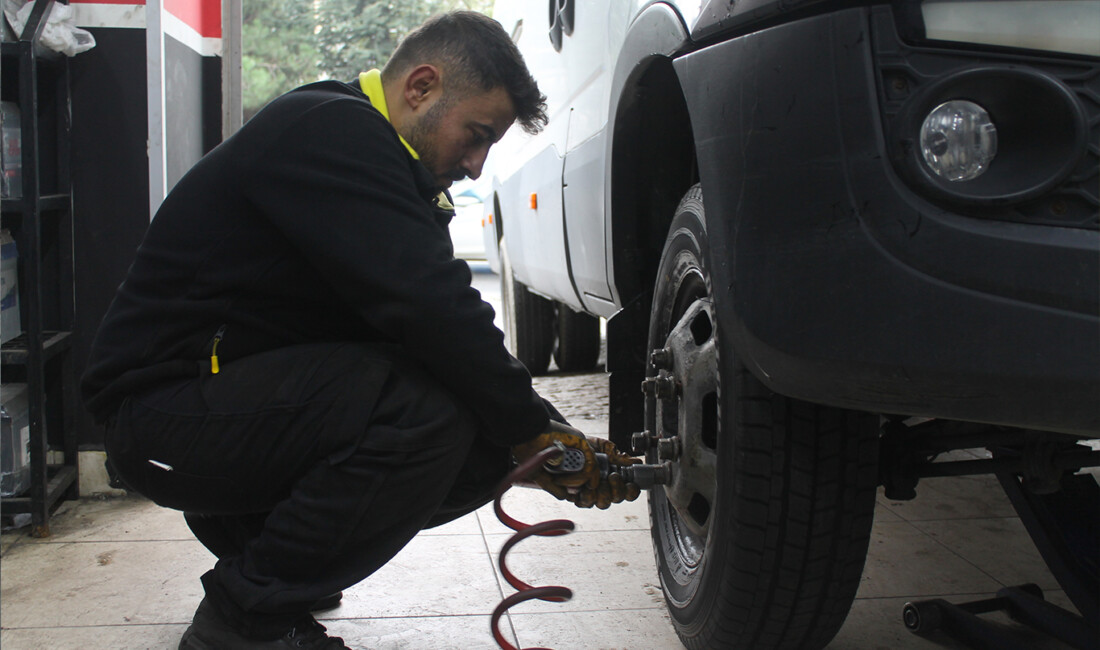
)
(658, 31)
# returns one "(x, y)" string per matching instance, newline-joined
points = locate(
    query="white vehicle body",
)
(753, 193)
(551, 187)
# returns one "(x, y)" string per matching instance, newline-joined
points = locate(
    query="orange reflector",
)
(490, 218)
(534, 201)
(482, 223)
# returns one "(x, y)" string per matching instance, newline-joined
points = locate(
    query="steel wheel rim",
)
(687, 502)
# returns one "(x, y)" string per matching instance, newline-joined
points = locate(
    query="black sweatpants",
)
(303, 469)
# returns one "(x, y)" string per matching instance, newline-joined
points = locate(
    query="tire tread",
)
(785, 568)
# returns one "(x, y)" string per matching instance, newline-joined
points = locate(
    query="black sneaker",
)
(209, 631)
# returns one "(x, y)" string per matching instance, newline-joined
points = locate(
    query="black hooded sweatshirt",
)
(312, 223)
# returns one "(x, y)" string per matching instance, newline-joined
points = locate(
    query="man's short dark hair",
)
(477, 55)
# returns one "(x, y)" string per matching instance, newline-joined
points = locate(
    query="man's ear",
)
(423, 86)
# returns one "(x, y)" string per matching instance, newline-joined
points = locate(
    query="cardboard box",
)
(15, 440)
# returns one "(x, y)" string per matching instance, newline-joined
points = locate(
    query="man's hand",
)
(561, 485)
(612, 489)
(585, 488)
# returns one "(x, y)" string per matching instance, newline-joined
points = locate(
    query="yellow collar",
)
(371, 84)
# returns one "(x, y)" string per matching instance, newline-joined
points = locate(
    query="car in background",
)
(466, 226)
(833, 240)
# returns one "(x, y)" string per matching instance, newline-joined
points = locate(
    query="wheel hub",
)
(686, 388)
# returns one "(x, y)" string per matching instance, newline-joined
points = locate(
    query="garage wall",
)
(146, 105)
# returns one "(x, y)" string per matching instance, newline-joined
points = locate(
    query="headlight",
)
(1069, 26)
(958, 140)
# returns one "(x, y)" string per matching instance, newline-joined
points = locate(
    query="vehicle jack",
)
(1059, 508)
(1024, 604)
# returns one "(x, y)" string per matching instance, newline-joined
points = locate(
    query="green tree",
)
(288, 43)
(357, 35)
(280, 50)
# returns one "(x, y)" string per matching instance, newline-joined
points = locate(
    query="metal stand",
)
(1065, 526)
(1061, 518)
(1024, 604)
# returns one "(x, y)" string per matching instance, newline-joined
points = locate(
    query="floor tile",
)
(591, 426)
(577, 397)
(112, 637)
(418, 633)
(645, 629)
(123, 574)
(101, 583)
(605, 572)
(465, 525)
(10, 539)
(434, 575)
(903, 561)
(1000, 547)
(884, 514)
(952, 497)
(116, 519)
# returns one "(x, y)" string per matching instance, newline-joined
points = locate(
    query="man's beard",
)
(422, 136)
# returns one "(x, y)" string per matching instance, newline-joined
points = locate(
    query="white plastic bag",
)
(60, 33)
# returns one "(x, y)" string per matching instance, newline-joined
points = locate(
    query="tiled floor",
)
(123, 574)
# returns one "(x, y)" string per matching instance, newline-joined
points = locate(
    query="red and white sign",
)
(195, 23)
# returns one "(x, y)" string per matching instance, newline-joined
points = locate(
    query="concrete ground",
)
(121, 573)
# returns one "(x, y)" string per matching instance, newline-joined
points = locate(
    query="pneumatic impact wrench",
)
(644, 476)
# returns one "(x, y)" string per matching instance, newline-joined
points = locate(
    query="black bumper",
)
(840, 282)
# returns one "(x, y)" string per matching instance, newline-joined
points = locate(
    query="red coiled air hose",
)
(523, 531)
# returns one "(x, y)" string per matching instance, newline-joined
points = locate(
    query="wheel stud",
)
(661, 359)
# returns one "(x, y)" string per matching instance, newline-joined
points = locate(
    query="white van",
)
(832, 239)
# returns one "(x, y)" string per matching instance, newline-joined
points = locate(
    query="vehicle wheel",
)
(761, 535)
(528, 320)
(578, 345)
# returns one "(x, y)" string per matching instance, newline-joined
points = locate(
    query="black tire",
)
(578, 343)
(528, 320)
(761, 536)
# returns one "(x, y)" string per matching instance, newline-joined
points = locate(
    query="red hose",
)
(523, 531)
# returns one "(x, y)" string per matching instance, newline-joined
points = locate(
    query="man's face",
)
(453, 137)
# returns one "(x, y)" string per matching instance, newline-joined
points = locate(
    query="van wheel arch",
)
(651, 102)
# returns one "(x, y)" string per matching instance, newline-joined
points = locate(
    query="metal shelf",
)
(60, 479)
(15, 351)
(42, 227)
(46, 203)
(41, 54)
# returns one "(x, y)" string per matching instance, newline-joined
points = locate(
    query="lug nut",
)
(640, 442)
(661, 359)
(667, 388)
(663, 387)
(668, 448)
